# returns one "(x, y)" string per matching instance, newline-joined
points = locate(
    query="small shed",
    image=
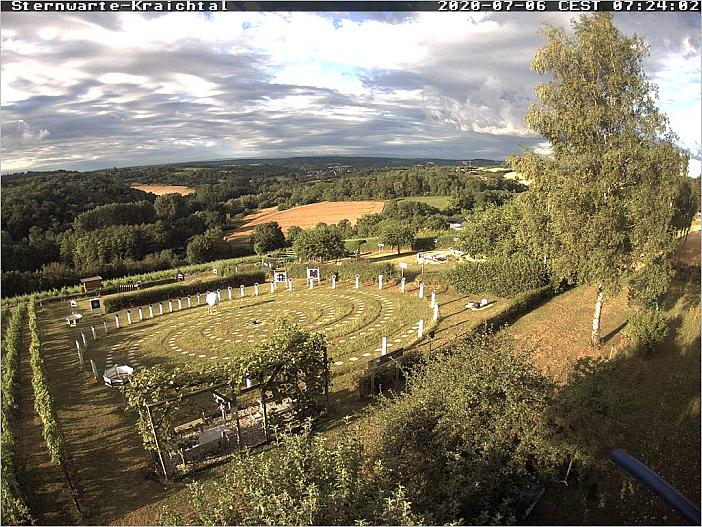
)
(91, 283)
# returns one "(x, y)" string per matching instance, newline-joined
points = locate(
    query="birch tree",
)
(601, 204)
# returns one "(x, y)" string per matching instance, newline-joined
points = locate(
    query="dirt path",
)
(106, 454)
(42, 482)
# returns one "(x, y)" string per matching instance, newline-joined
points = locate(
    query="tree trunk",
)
(398, 249)
(596, 318)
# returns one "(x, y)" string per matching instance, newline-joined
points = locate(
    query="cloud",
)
(97, 89)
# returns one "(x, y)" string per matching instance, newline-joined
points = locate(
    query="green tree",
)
(170, 206)
(600, 207)
(396, 234)
(267, 237)
(293, 232)
(492, 231)
(321, 243)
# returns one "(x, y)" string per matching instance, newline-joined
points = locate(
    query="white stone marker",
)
(272, 287)
(402, 284)
(420, 328)
(188, 300)
(80, 355)
(180, 304)
(433, 298)
(160, 308)
(78, 346)
(198, 299)
(256, 289)
(93, 330)
(333, 282)
(129, 317)
(219, 295)
(117, 321)
(384, 346)
(229, 292)
(241, 291)
(141, 314)
(311, 280)
(290, 284)
(170, 306)
(248, 382)
(380, 281)
(358, 278)
(95, 373)
(104, 323)
(82, 335)
(151, 311)
(436, 312)
(421, 289)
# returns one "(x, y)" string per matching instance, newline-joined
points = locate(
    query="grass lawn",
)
(440, 202)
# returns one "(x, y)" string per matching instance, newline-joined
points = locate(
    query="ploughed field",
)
(160, 190)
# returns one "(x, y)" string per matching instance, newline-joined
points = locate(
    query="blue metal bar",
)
(657, 484)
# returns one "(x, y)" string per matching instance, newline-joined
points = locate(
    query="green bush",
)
(179, 290)
(348, 269)
(646, 329)
(502, 276)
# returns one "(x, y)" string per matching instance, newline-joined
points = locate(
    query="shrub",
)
(646, 329)
(502, 276)
(180, 289)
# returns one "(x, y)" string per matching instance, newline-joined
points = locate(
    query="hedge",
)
(348, 270)
(502, 276)
(43, 400)
(179, 290)
(14, 506)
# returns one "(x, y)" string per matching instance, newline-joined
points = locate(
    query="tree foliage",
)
(267, 237)
(602, 204)
(397, 234)
(321, 243)
(491, 231)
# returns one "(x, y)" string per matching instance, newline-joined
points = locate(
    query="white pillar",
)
(272, 287)
(104, 323)
(93, 330)
(290, 284)
(151, 311)
(117, 321)
(241, 291)
(82, 335)
(160, 308)
(141, 314)
(433, 298)
(78, 346)
(333, 282)
(256, 288)
(384, 346)
(311, 283)
(95, 372)
(402, 284)
(420, 328)
(188, 300)
(170, 306)
(436, 312)
(129, 317)
(358, 277)
(229, 291)
(180, 304)
(380, 281)
(248, 382)
(198, 299)
(421, 289)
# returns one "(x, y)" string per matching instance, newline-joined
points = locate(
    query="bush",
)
(180, 289)
(502, 276)
(646, 329)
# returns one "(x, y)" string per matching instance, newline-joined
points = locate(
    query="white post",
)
(82, 335)
(93, 330)
(129, 317)
(311, 283)
(151, 311)
(358, 277)
(229, 292)
(433, 298)
(198, 299)
(241, 291)
(402, 284)
(117, 321)
(78, 346)
(290, 284)
(333, 282)
(188, 300)
(219, 295)
(160, 308)
(180, 304)
(95, 373)
(170, 306)
(384, 346)
(141, 314)
(256, 289)
(421, 289)
(436, 312)
(248, 382)
(104, 323)
(380, 281)
(420, 329)
(272, 287)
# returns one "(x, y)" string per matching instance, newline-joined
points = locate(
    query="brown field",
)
(307, 216)
(160, 190)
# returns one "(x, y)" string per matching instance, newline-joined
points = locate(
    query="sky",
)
(83, 91)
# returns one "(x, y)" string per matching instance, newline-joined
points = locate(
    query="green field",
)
(440, 202)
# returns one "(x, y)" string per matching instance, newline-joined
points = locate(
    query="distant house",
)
(91, 283)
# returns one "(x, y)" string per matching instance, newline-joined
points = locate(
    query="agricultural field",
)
(440, 202)
(307, 216)
(160, 190)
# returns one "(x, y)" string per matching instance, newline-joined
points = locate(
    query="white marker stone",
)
(420, 328)
(104, 323)
(188, 300)
(333, 286)
(229, 292)
(421, 289)
(256, 289)
(170, 306)
(129, 317)
(241, 291)
(82, 335)
(436, 312)
(141, 314)
(248, 382)
(117, 321)
(95, 373)
(402, 284)
(433, 298)
(358, 278)
(93, 330)
(151, 311)
(311, 283)
(198, 299)
(272, 287)
(180, 304)
(380, 281)
(160, 308)
(78, 346)
(384, 346)
(290, 284)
